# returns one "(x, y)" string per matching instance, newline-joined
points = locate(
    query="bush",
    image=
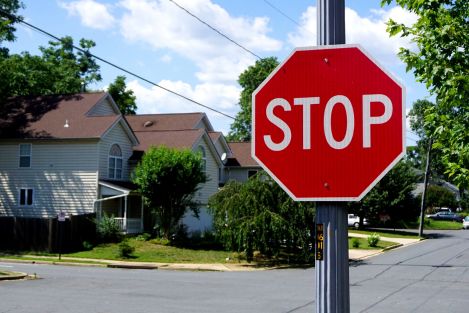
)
(125, 249)
(143, 237)
(373, 240)
(108, 229)
(355, 242)
(87, 245)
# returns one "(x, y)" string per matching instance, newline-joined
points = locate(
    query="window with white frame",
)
(25, 154)
(204, 158)
(26, 197)
(115, 162)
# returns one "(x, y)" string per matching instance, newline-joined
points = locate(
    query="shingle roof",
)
(180, 139)
(241, 155)
(158, 122)
(46, 116)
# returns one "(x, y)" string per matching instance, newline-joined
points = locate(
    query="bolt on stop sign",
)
(328, 123)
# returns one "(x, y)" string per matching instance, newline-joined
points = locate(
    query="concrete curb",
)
(14, 276)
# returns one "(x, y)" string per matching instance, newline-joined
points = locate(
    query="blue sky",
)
(161, 42)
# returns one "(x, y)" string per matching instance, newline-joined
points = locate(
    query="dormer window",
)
(25, 155)
(115, 162)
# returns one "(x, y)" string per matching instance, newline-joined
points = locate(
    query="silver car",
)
(465, 222)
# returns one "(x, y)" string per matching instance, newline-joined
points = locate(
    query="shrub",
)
(373, 240)
(87, 245)
(143, 237)
(108, 229)
(355, 242)
(125, 249)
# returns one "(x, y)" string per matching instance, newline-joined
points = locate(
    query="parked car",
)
(465, 222)
(445, 216)
(354, 220)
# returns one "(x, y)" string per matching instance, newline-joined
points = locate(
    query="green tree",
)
(438, 197)
(391, 196)
(168, 179)
(8, 9)
(417, 114)
(123, 97)
(249, 80)
(57, 71)
(259, 216)
(441, 62)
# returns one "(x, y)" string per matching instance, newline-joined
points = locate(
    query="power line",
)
(88, 54)
(214, 29)
(281, 12)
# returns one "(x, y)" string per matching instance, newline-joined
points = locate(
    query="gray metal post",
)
(332, 272)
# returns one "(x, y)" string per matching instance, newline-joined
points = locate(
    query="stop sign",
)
(328, 123)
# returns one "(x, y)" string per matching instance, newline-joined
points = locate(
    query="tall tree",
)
(392, 196)
(441, 61)
(8, 10)
(259, 216)
(168, 179)
(249, 80)
(123, 96)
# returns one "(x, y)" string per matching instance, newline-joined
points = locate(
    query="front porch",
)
(120, 201)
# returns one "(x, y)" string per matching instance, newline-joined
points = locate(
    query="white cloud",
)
(370, 32)
(221, 97)
(163, 25)
(92, 14)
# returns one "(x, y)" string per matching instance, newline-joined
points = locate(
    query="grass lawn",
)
(146, 251)
(390, 233)
(364, 244)
(432, 224)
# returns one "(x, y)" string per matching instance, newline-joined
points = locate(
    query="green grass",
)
(441, 225)
(364, 244)
(146, 251)
(388, 233)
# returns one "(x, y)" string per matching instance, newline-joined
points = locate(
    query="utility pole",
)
(332, 267)
(425, 184)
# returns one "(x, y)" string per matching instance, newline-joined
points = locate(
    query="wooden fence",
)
(36, 234)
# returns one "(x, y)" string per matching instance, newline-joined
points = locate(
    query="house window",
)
(25, 155)
(115, 162)
(26, 196)
(251, 173)
(204, 158)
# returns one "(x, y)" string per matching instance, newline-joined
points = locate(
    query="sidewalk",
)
(354, 254)
(360, 254)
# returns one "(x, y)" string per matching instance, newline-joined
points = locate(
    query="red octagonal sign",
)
(328, 123)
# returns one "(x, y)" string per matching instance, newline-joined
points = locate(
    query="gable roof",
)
(174, 121)
(179, 139)
(241, 155)
(56, 117)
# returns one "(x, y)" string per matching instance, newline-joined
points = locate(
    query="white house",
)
(74, 154)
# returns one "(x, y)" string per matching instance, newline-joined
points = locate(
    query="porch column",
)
(125, 214)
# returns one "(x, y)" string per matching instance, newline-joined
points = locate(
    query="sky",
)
(158, 40)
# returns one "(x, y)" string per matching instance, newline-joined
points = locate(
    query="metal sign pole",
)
(332, 269)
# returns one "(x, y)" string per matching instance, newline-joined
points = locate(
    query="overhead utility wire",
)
(281, 12)
(87, 53)
(214, 29)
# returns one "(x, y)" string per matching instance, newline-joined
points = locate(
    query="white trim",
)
(26, 205)
(109, 156)
(383, 173)
(112, 186)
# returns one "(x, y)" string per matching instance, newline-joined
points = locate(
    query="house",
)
(74, 154)
(67, 153)
(240, 166)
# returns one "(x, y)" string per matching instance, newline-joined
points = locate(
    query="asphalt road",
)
(431, 276)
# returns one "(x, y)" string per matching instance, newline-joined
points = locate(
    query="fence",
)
(36, 234)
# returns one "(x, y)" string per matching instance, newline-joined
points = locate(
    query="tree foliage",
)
(168, 179)
(441, 62)
(8, 9)
(123, 97)
(438, 197)
(58, 70)
(249, 80)
(392, 196)
(259, 216)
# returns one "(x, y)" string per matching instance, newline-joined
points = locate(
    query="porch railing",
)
(134, 225)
